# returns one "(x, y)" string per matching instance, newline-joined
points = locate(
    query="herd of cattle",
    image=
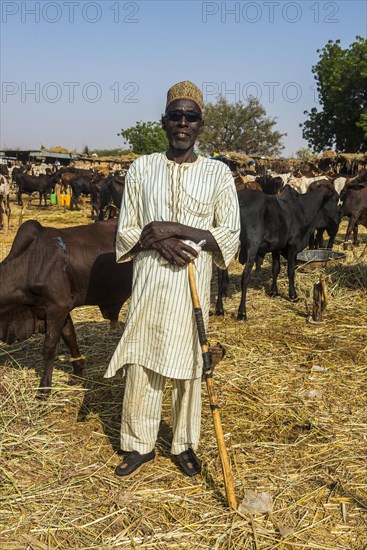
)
(105, 191)
(49, 271)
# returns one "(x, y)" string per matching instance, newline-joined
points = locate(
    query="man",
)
(169, 198)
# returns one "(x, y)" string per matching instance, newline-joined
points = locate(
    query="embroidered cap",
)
(185, 90)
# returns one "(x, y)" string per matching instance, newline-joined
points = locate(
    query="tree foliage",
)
(305, 153)
(239, 127)
(341, 76)
(111, 152)
(146, 138)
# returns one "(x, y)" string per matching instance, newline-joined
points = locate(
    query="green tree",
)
(239, 127)
(341, 76)
(305, 153)
(111, 152)
(145, 138)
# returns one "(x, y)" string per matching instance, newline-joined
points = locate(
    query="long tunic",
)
(160, 331)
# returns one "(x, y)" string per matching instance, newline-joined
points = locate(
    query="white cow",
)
(302, 184)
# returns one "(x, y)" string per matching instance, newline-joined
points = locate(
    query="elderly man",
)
(170, 198)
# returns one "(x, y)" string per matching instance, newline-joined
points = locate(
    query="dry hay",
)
(329, 154)
(293, 408)
(59, 149)
(241, 159)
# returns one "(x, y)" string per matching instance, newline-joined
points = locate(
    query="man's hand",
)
(159, 231)
(156, 232)
(174, 251)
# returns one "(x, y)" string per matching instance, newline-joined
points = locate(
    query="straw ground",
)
(293, 408)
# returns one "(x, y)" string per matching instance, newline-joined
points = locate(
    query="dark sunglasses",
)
(177, 114)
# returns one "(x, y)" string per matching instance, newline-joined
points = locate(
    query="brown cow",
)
(48, 273)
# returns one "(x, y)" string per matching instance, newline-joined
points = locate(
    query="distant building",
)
(31, 156)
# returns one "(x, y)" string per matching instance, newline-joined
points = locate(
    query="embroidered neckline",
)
(198, 159)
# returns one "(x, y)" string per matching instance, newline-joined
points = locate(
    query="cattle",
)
(42, 184)
(329, 218)
(111, 197)
(22, 169)
(70, 173)
(79, 186)
(245, 182)
(355, 207)
(359, 177)
(339, 183)
(4, 203)
(280, 224)
(4, 171)
(51, 271)
(84, 185)
(307, 169)
(301, 184)
(270, 185)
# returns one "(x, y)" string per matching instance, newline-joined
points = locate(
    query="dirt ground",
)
(293, 404)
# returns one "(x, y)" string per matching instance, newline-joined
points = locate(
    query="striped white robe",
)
(160, 331)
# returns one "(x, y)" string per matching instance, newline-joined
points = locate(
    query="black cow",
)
(48, 273)
(22, 169)
(327, 221)
(70, 173)
(97, 185)
(355, 207)
(42, 184)
(270, 185)
(4, 171)
(111, 197)
(80, 186)
(280, 224)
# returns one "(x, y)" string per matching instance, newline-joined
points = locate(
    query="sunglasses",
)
(176, 115)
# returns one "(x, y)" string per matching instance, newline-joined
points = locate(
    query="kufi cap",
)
(185, 90)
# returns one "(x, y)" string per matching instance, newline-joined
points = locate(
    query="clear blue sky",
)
(75, 72)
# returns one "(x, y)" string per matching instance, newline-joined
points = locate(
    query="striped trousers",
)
(142, 406)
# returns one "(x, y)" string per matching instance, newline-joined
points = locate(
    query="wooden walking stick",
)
(208, 375)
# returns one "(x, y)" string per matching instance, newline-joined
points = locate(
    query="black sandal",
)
(188, 462)
(132, 463)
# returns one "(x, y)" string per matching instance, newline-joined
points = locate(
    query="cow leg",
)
(19, 196)
(245, 279)
(351, 227)
(319, 238)
(259, 262)
(275, 269)
(332, 232)
(355, 235)
(291, 267)
(69, 337)
(74, 203)
(7, 207)
(312, 241)
(54, 324)
(223, 280)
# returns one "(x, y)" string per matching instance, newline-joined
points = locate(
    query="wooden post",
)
(320, 300)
